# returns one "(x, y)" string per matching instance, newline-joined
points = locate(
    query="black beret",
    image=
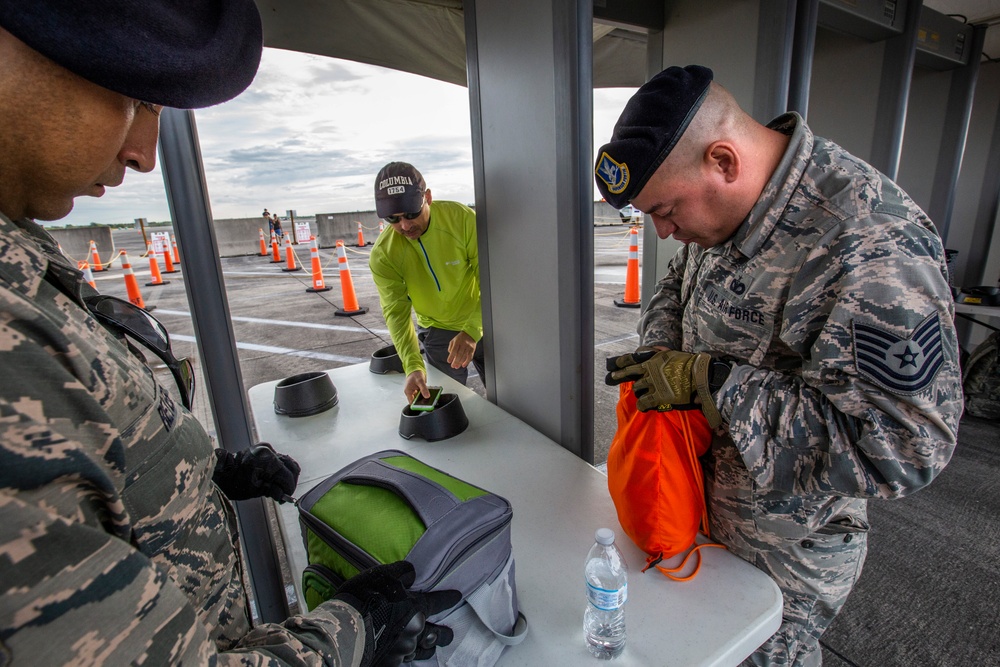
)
(648, 129)
(185, 54)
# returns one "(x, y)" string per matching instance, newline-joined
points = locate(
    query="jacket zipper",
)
(433, 275)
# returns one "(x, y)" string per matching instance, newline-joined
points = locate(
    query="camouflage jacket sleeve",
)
(81, 580)
(660, 324)
(869, 406)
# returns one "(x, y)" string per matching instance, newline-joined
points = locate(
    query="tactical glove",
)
(396, 627)
(255, 472)
(666, 380)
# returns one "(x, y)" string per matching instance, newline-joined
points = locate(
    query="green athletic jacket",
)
(437, 275)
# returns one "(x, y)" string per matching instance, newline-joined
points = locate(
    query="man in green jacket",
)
(428, 262)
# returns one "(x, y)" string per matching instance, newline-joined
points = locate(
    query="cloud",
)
(310, 134)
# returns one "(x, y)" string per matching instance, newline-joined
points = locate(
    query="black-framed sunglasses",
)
(136, 322)
(393, 219)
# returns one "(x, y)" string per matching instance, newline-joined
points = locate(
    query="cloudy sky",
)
(310, 134)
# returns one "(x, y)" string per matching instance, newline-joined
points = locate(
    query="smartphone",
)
(426, 404)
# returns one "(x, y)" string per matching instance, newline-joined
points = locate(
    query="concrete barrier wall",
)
(241, 236)
(75, 242)
(344, 227)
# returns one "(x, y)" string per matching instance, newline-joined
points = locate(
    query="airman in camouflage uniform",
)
(116, 546)
(831, 302)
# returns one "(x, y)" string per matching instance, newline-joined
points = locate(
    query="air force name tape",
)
(900, 365)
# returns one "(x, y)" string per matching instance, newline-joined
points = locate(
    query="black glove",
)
(255, 472)
(396, 628)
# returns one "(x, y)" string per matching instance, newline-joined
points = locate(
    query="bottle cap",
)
(605, 536)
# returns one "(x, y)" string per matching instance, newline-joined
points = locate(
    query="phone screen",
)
(421, 403)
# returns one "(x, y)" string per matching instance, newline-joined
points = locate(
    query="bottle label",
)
(606, 600)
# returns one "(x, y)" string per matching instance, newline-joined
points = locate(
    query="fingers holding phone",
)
(416, 382)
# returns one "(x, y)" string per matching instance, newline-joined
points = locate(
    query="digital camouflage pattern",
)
(115, 546)
(981, 383)
(833, 298)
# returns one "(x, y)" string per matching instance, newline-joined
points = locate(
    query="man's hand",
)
(666, 380)
(255, 472)
(416, 382)
(396, 628)
(460, 350)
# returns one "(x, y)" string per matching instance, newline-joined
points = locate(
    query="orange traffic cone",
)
(263, 246)
(177, 254)
(154, 268)
(361, 237)
(168, 261)
(631, 299)
(131, 286)
(96, 258)
(275, 253)
(318, 284)
(290, 256)
(88, 275)
(347, 285)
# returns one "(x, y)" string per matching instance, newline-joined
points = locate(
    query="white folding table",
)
(559, 500)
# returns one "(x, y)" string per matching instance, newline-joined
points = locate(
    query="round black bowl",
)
(446, 420)
(304, 394)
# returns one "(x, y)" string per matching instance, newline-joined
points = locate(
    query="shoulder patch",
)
(900, 365)
(615, 174)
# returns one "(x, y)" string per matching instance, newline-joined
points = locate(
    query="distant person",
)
(430, 264)
(269, 222)
(276, 224)
(118, 543)
(808, 315)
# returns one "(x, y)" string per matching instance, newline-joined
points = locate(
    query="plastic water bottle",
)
(607, 589)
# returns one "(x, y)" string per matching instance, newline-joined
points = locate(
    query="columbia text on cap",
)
(399, 188)
(648, 129)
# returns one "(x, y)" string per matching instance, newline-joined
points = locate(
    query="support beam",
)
(894, 93)
(531, 101)
(190, 211)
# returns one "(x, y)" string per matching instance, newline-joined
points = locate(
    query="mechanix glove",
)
(255, 472)
(667, 380)
(396, 627)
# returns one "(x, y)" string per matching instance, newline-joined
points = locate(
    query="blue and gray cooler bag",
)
(389, 507)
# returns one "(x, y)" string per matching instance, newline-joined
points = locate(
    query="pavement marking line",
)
(271, 349)
(286, 323)
(616, 340)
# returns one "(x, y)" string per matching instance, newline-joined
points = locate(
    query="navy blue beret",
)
(185, 54)
(648, 129)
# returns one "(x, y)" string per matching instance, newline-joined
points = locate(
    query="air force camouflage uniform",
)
(115, 545)
(833, 298)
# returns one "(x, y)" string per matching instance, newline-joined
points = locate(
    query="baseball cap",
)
(648, 129)
(183, 54)
(399, 188)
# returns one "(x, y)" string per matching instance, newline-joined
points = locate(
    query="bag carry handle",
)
(429, 500)
(479, 600)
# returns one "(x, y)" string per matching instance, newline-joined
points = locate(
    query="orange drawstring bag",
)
(655, 480)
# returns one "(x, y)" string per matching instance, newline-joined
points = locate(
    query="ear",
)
(722, 158)
(430, 198)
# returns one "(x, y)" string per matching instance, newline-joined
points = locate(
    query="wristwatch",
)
(718, 373)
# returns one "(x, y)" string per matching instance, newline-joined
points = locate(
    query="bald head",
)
(712, 178)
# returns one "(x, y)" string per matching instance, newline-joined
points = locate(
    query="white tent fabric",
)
(425, 37)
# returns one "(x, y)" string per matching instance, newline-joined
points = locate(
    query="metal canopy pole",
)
(956, 130)
(806, 19)
(190, 211)
(894, 93)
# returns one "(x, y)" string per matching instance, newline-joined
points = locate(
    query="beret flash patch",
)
(615, 174)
